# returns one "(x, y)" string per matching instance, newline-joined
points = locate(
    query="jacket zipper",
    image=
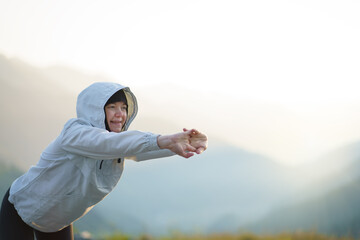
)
(101, 164)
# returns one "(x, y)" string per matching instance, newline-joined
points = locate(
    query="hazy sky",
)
(284, 73)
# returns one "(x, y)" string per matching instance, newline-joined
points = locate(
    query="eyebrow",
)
(116, 102)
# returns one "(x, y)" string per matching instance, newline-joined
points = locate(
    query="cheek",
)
(108, 114)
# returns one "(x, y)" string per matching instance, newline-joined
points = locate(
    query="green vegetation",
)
(243, 236)
(119, 236)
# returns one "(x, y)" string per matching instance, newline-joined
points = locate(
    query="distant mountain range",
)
(334, 213)
(225, 189)
(8, 173)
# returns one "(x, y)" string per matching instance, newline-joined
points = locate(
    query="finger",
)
(188, 154)
(190, 133)
(200, 150)
(193, 132)
(190, 148)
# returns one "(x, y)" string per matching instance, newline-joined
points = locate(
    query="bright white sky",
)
(295, 62)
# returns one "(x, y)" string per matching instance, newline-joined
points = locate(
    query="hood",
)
(91, 101)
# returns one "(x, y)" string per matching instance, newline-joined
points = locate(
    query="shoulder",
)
(75, 123)
(79, 125)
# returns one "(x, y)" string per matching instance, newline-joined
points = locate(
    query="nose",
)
(119, 113)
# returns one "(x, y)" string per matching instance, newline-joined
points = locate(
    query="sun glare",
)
(296, 63)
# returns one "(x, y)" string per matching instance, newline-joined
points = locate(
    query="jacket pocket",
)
(58, 212)
(108, 173)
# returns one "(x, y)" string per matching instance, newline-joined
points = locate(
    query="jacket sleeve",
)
(151, 155)
(82, 139)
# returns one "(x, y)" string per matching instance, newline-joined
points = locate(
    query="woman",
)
(84, 163)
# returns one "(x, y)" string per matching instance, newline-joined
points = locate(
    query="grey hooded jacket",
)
(82, 165)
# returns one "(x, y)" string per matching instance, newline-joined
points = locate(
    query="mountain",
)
(334, 212)
(8, 174)
(33, 109)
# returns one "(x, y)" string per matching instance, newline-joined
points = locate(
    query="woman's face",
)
(116, 114)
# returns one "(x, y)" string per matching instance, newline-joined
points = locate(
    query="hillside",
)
(8, 174)
(332, 209)
(34, 110)
(336, 213)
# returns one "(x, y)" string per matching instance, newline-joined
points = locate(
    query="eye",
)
(110, 106)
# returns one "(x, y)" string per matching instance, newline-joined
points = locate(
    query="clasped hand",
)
(185, 143)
